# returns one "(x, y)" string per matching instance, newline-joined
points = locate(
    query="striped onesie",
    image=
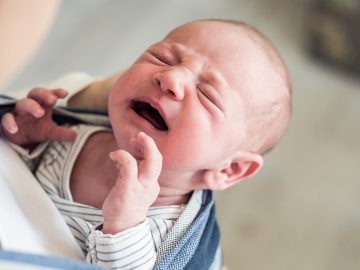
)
(134, 248)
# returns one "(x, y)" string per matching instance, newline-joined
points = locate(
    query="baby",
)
(195, 112)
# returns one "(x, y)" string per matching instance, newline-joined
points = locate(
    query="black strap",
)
(63, 115)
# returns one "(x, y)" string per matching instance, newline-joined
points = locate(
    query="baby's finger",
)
(150, 166)
(126, 164)
(9, 124)
(28, 105)
(47, 97)
(59, 92)
(60, 133)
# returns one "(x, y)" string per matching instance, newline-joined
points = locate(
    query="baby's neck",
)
(163, 200)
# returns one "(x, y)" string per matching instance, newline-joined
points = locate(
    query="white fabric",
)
(29, 222)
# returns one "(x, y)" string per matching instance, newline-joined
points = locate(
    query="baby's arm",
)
(31, 121)
(136, 187)
(126, 239)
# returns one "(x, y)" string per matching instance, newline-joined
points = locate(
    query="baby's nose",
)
(171, 82)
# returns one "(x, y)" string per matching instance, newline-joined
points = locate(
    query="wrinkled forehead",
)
(227, 48)
(215, 39)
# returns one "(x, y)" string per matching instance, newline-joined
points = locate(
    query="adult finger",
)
(9, 124)
(150, 166)
(28, 105)
(126, 164)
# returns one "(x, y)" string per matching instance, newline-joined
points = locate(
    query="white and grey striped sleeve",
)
(131, 249)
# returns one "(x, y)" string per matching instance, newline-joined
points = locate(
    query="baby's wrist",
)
(117, 227)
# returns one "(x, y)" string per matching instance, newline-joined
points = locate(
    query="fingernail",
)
(111, 155)
(13, 129)
(39, 112)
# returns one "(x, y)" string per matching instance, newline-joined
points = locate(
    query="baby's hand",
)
(136, 187)
(31, 121)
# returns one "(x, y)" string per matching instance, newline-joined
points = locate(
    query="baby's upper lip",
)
(153, 103)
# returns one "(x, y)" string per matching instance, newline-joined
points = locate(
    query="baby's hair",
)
(268, 123)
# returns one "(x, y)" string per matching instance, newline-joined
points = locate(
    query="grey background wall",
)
(302, 210)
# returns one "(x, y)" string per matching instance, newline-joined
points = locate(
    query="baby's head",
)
(258, 70)
(214, 95)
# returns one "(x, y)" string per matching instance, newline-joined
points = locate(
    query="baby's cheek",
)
(186, 153)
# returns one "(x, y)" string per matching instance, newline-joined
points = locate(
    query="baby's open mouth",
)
(150, 114)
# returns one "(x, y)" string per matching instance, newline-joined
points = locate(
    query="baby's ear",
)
(243, 166)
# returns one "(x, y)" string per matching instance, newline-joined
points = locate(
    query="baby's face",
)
(189, 93)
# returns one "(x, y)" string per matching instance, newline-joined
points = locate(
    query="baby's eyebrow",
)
(159, 45)
(166, 46)
(173, 48)
(215, 79)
